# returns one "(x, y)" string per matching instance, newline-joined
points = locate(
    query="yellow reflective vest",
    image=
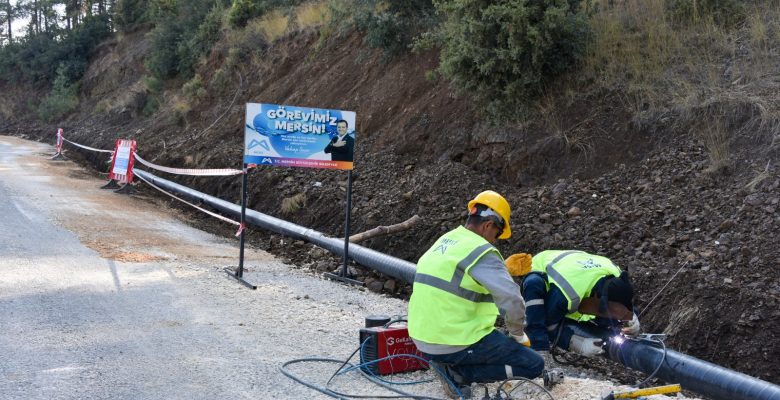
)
(575, 273)
(448, 306)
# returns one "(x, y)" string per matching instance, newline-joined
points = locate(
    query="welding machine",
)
(381, 338)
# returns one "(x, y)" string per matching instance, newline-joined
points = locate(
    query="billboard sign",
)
(288, 136)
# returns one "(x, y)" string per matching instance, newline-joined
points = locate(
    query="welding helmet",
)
(498, 205)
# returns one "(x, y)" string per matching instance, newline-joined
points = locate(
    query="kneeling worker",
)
(460, 287)
(576, 300)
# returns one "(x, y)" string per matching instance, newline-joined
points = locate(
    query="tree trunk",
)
(9, 11)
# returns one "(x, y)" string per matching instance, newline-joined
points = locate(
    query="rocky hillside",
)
(656, 187)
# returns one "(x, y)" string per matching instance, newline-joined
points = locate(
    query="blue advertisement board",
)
(290, 136)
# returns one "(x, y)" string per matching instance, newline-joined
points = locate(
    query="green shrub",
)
(61, 100)
(390, 25)
(36, 58)
(153, 84)
(190, 51)
(194, 88)
(243, 10)
(219, 81)
(184, 31)
(726, 13)
(151, 106)
(162, 61)
(128, 14)
(505, 52)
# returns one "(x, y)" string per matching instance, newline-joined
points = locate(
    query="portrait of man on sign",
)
(342, 146)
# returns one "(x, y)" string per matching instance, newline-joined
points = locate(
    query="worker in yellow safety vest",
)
(575, 300)
(460, 287)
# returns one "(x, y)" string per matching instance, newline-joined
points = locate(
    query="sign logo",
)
(254, 143)
(589, 264)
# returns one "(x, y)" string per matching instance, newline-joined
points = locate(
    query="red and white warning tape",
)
(198, 172)
(241, 226)
(87, 147)
(189, 171)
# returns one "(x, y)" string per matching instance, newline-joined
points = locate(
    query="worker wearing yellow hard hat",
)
(460, 288)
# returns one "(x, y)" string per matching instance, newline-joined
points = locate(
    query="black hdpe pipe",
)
(691, 373)
(383, 263)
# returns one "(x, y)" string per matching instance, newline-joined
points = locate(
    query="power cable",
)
(662, 289)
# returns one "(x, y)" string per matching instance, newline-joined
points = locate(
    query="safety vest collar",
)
(453, 286)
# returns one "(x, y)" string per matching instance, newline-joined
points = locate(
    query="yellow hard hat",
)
(497, 203)
(518, 264)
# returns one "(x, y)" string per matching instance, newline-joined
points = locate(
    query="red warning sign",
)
(122, 161)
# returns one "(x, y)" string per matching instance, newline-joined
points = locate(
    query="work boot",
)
(445, 374)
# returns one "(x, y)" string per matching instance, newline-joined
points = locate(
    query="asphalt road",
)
(81, 322)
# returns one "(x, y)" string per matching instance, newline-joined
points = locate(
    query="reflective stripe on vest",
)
(453, 286)
(559, 280)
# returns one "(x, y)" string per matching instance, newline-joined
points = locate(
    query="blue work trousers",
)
(545, 311)
(494, 358)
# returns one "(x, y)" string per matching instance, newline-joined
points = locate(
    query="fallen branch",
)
(384, 230)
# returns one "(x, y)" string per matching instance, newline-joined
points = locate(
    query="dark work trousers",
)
(494, 358)
(545, 311)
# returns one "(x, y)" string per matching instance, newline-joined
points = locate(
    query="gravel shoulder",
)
(110, 296)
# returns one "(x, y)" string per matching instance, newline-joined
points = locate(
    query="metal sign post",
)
(292, 136)
(239, 272)
(344, 275)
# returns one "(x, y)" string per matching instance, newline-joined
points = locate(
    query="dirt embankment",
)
(592, 177)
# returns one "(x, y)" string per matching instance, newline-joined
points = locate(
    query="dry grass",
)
(291, 205)
(763, 175)
(271, 26)
(575, 137)
(312, 14)
(632, 41)
(715, 136)
(638, 47)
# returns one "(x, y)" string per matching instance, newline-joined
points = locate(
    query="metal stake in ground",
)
(343, 276)
(239, 272)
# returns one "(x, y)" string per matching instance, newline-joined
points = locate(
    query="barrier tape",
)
(188, 171)
(87, 147)
(198, 172)
(213, 214)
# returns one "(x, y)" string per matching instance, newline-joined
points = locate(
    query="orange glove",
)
(522, 340)
(518, 264)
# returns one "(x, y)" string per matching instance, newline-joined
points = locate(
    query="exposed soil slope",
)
(641, 193)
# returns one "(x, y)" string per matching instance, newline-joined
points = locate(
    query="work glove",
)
(518, 264)
(522, 339)
(631, 328)
(586, 346)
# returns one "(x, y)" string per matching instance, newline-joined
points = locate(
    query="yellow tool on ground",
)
(644, 392)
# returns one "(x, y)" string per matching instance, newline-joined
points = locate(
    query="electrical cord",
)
(509, 394)
(367, 373)
(330, 392)
(658, 368)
